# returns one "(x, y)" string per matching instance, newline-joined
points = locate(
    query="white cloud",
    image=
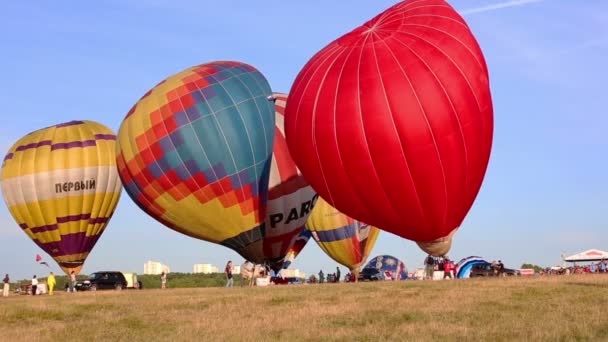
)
(498, 6)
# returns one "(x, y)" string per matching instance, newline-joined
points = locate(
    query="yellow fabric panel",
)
(42, 159)
(57, 208)
(220, 223)
(341, 251)
(71, 257)
(131, 126)
(351, 251)
(325, 217)
(370, 242)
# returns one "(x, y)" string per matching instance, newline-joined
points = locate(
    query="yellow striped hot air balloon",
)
(61, 185)
(343, 238)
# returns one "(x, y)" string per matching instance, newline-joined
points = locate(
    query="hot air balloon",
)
(61, 186)
(463, 268)
(344, 239)
(297, 247)
(390, 266)
(392, 123)
(290, 198)
(195, 154)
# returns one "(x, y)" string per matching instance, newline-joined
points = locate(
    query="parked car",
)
(104, 280)
(486, 270)
(371, 274)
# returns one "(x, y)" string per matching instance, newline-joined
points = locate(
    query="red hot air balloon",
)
(392, 123)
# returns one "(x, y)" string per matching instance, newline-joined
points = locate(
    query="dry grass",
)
(550, 308)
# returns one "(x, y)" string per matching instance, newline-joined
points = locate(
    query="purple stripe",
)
(34, 145)
(23, 225)
(70, 123)
(73, 144)
(98, 220)
(46, 228)
(73, 218)
(69, 244)
(105, 137)
(8, 156)
(65, 219)
(67, 145)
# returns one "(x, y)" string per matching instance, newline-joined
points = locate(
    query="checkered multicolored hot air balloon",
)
(61, 185)
(344, 239)
(195, 154)
(290, 198)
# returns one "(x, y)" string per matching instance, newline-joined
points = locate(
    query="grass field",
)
(564, 308)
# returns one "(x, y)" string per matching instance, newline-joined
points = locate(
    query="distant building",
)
(293, 273)
(236, 269)
(154, 267)
(204, 268)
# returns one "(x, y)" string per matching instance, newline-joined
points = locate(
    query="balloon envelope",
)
(61, 186)
(290, 198)
(389, 265)
(464, 266)
(438, 247)
(297, 247)
(344, 239)
(194, 153)
(392, 123)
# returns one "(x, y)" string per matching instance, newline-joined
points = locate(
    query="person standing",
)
(50, 281)
(7, 285)
(337, 280)
(228, 272)
(321, 277)
(34, 285)
(429, 263)
(163, 280)
(447, 269)
(72, 282)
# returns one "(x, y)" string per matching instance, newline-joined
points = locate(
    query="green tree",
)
(535, 267)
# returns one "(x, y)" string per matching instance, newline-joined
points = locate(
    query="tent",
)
(589, 255)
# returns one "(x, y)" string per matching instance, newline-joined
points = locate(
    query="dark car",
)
(106, 280)
(370, 274)
(486, 270)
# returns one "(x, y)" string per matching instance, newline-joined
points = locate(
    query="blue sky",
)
(546, 189)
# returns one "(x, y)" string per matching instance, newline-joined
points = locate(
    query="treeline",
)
(187, 280)
(174, 280)
(62, 281)
(536, 268)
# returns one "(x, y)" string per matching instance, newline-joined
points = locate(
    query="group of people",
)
(433, 263)
(250, 273)
(597, 267)
(331, 277)
(51, 282)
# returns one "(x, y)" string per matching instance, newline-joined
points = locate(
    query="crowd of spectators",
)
(594, 267)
